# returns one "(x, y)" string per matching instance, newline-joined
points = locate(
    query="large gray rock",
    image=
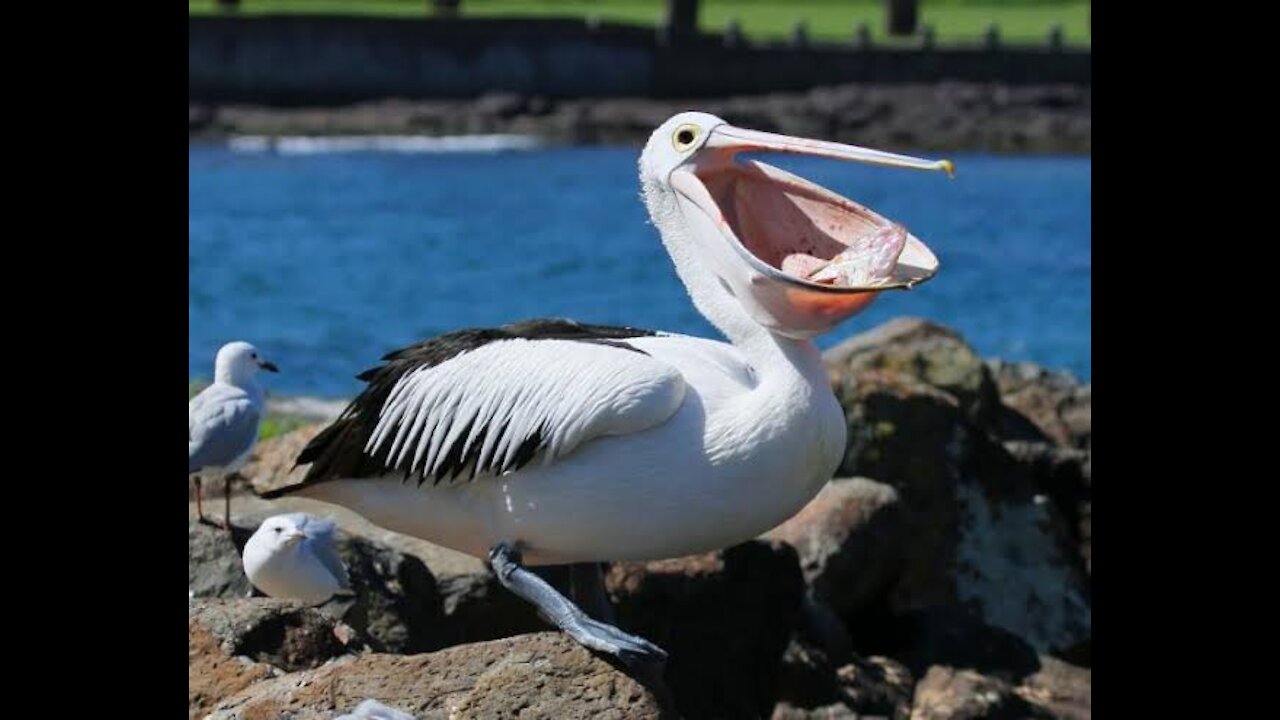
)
(546, 675)
(214, 569)
(931, 353)
(477, 608)
(233, 644)
(399, 598)
(979, 529)
(1064, 475)
(398, 602)
(725, 618)
(1059, 449)
(957, 637)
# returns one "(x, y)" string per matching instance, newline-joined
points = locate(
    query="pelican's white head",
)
(238, 362)
(762, 232)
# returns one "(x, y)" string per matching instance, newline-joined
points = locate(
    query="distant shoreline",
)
(948, 116)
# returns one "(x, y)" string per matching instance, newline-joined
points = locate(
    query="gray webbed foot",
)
(561, 612)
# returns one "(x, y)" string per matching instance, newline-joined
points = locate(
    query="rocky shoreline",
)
(945, 573)
(950, 116)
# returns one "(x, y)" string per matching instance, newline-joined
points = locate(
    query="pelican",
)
(554, 442)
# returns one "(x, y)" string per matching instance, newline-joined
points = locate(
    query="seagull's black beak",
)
(267, 365)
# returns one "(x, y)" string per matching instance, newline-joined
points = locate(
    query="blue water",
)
(326, 261)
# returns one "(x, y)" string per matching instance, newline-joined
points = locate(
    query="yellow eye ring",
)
(684, 137)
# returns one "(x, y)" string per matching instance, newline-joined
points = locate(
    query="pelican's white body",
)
(744, 451)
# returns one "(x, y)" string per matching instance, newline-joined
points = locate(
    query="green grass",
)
(954, 21)
(272, 425)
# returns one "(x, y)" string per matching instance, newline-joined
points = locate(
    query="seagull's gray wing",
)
(322, 541)
(222, 426)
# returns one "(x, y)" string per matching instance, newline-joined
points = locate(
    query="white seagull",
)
(223, 420)
(554, 442)
(294, 556)
(373, 710)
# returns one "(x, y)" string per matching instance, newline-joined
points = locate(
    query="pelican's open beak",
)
(803, 257)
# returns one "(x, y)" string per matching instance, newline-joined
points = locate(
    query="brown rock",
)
(725, 618)
(1063, 690)
(835, 711)
(849, 539)
(283, 633)
(271, 465)
(1056, 690)
(233, 644)
(545, 675)
(1057, 403)
(876, 686)
(812, 686)
(213, 675)
(949, 694)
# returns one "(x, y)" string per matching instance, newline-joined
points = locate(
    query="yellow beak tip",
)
(948, 167)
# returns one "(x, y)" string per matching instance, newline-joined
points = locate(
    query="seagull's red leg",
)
(227, 499)
(199, 506)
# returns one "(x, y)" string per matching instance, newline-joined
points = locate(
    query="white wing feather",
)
(504, 393)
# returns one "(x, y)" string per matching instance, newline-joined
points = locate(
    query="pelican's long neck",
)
(762, 348)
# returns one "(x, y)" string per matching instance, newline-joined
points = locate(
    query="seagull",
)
(551, 441)
(223, 420)
(373, 710)
(293, 556)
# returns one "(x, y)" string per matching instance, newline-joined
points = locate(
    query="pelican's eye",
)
(684, 137)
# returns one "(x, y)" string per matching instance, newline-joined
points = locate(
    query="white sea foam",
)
(313, 145)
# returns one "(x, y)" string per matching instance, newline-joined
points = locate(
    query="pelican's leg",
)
(586, 583)
(561, 612)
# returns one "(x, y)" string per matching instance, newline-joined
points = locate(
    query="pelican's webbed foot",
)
(561, 612)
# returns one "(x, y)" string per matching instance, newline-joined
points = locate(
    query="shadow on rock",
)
(725, 618)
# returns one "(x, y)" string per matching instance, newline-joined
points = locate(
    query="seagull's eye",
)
(279, 530)
(684, 137)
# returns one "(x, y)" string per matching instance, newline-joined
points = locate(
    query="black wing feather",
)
(338, 450)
